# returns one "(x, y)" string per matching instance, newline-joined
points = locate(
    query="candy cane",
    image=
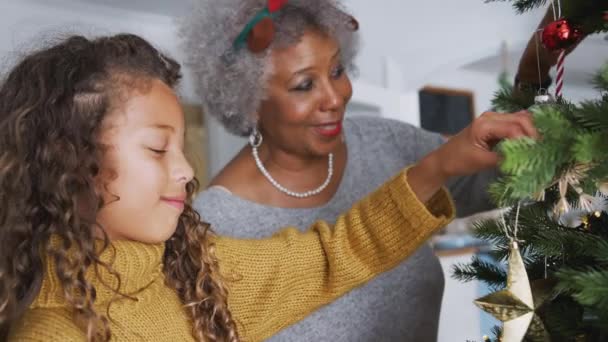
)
(559, 79)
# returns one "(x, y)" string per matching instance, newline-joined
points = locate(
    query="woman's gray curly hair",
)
(232, 84)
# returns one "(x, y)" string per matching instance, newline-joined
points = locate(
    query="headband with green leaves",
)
(259, 31)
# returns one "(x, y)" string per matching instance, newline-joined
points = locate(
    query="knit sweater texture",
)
(272, 282)
(400, 305)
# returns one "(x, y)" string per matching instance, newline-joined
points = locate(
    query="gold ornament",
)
(562, 205)
(585, 219)
(585, 222)
(516, 305)
(603, 188)
(572, 178)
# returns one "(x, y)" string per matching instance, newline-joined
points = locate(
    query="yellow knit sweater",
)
(276, 281)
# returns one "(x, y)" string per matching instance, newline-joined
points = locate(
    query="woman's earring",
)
(255, 138)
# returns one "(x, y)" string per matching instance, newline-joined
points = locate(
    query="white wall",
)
(432, 39)
(428, 35)
(29, 23)
(429, 40)
(421, 36)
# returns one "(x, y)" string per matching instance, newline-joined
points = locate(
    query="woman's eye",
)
(304, 86)
(338, 71)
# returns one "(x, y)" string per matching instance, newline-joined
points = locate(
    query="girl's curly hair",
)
(52, 105)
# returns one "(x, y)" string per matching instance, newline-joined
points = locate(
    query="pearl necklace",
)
(330, 172)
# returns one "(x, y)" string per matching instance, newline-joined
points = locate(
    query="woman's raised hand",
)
(470, 151)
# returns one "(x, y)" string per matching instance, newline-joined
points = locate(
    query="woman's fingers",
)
(490, 128)
(524, 119)
(472, 150)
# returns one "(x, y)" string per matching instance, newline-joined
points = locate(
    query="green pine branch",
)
(601, 252)
(589, 286)
(504, 80)
(571, 135)
(600, 80)
(589, 147)
(489, 273)
(505, 101)
(593, 114)
(586, 13)
(540, 236)
(565, 318)
(496, 332)
(522, 6)
(490, 231)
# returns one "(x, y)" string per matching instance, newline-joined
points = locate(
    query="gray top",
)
(400, 305)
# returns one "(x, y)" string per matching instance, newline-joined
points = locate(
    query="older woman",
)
(276, 71)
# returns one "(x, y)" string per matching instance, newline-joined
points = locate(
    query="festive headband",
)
(259, 31)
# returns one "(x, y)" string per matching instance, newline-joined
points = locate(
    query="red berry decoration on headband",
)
(260, 36)
(560, 34)
(275, 5)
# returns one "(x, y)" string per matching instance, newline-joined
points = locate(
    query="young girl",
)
(97, 237)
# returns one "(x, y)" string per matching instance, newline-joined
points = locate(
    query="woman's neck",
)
(243, 178)
(307, 167)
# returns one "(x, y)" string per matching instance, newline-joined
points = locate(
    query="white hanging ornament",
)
(543, 98)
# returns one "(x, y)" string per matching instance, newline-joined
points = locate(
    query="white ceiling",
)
(586, 59)
(173, 8)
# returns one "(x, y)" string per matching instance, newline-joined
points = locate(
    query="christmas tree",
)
(550, 256)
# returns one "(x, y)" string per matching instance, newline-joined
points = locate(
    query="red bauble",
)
(561, 34)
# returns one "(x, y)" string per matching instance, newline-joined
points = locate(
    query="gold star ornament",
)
(517, 305)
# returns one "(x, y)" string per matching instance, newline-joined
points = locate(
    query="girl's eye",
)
(157, 151)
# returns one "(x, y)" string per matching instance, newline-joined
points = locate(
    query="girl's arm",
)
(277, 281)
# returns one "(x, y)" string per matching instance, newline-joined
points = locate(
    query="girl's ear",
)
(88, 203)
